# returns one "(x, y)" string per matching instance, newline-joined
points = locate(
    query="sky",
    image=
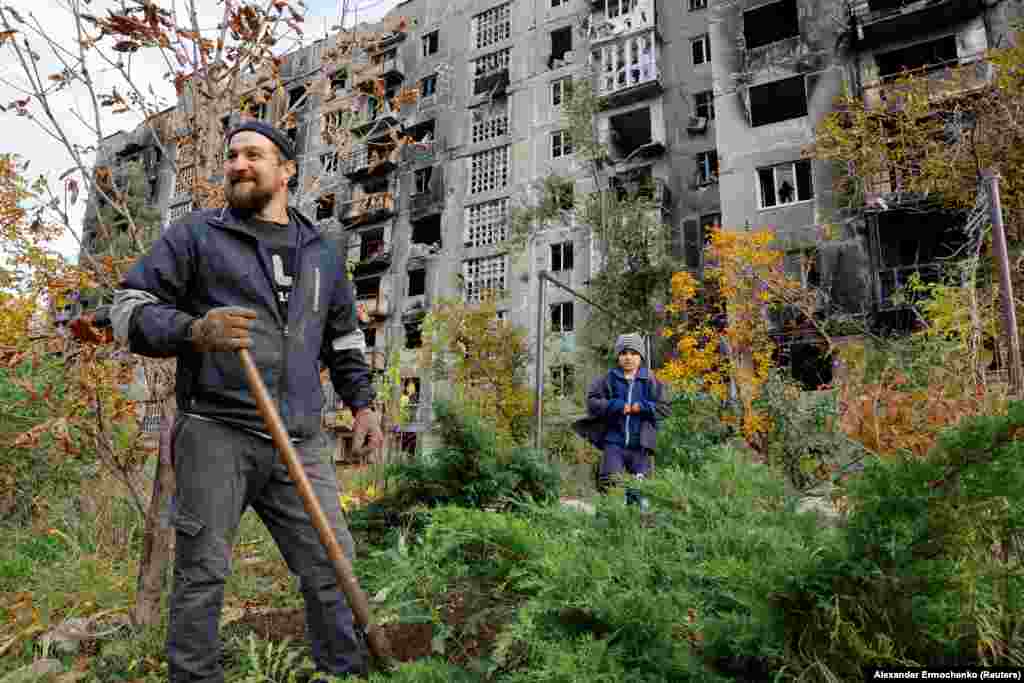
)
(23, 137)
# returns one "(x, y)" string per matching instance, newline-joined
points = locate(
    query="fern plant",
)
(277, 663)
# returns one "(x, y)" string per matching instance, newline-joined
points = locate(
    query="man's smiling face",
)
(254, 171)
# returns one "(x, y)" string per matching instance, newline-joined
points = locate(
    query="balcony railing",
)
(940, 82)
(602, 29)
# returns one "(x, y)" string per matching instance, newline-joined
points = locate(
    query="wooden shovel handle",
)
(378, 642)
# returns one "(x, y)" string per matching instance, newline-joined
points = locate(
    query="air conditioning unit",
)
(697, 124)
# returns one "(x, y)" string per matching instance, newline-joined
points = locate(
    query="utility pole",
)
(538, 431)
(1009, 312)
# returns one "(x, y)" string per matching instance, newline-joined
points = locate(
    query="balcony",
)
(371, 159)
(880, 21)
(610, 20)
(627, 75)
(940, 82)
(429, 200)
(368, 208)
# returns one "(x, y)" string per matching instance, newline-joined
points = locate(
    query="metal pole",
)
(538, 415)
(1005, 283)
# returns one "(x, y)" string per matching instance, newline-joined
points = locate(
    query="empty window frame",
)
(561, 91)
(561, 317)
(487, 223)
(492, 26)
(489, 170)
(704, 104)
(561, 144)
(489, 123)
(483, 275)
(920, 56)
(698, 4)
(700, 48)
(558, 3)
(428, 85)
(770, 23)
(614, 8)
(778, 101)
(626, 63)
(561, 42)
(421, 179)
(707, 167)
(417, 282)
(785, 184)
(561, 257)
(430, 43)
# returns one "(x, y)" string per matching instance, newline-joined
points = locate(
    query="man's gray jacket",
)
(206, 261)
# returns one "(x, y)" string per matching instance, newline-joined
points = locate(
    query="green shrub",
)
(915, 577)
(471, 470)
(687, 437)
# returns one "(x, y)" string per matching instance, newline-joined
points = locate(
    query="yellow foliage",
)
(749, 277)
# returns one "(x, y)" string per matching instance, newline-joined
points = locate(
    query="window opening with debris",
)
(427, 231)
(934, 53)
(778, 101)
(630, 131)
(561, 43)
(770, 23)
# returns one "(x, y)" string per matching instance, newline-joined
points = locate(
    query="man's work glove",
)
(366, 434)
(222, 329)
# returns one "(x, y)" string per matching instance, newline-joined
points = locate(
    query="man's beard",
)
(252, 197)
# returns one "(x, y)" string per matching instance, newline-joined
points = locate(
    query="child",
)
(624, 408)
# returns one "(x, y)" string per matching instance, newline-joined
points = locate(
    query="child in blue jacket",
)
(624, 408)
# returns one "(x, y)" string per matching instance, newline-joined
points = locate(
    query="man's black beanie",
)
(269, 132)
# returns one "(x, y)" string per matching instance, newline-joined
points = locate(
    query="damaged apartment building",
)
(778, 66)
(428, 219)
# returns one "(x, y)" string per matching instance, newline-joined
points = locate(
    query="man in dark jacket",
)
(257, 276)
(625, 407)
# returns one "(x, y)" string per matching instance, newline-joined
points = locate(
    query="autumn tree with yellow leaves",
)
(724, 339)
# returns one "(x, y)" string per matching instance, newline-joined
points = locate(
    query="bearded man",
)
(259, 276)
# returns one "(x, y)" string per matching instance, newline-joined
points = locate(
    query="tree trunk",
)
(158, 537)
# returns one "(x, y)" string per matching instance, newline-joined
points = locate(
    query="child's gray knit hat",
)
(630, 342)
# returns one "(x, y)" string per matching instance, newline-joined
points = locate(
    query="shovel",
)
(378, 642)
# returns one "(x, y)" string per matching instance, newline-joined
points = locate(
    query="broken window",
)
(704, 104)
(561, 317)
(422, 179)
(563, 378)
(483, 275)
(561, 91)
(489, 170)
(707, 167)
(417, 282)
(698, 4)
(778, 101)
(561, 43)
(325, 207)
(701, 49)
(487, 223)
(427, 231)
(492, 26)
(785, 183)
(561, 144)
(626, 63)
(489, 122)
(430, 43)
(561, 257)
(372, 244)
(920, 56)
(770, 23)
(490, 72)
(630, 131)
(428, 85)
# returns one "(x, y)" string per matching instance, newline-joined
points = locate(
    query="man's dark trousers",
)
(220, 470)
